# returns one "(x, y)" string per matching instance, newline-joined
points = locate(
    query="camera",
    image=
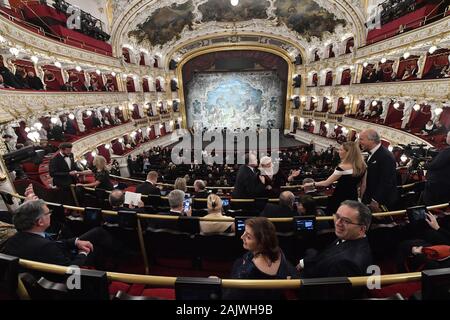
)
(14, 158)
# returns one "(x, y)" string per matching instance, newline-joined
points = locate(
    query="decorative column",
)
(421, 65)
(6, 180)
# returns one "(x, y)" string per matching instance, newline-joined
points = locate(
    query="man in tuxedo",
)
(149, 188)
(62, 167)
(437, 187)
(247, 183)
(31, 242)
(381, 184)
(350, 254)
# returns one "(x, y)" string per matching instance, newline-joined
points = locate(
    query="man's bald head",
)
(287, 199)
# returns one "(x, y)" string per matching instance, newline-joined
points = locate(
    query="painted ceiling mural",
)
(223, 11)
(307, 17)
(167, 23)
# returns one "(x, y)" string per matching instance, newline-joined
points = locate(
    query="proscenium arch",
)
(189, 42)
(352, 14)
(237, 47)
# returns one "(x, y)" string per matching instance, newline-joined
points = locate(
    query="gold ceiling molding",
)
(235, 47)
(347, 8)
(45, 46)
(231, 39)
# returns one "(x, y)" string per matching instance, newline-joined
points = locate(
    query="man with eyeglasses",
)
(31, 219)
(350, 254)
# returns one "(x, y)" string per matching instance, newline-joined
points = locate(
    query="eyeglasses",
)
(345, 220)
(45, 214)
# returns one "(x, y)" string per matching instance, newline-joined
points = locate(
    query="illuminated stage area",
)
(235, 100)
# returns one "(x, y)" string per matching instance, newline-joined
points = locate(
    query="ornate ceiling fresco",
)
(167, 23)
(163, 27)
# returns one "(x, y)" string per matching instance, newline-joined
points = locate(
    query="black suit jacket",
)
(439, 169)
(347, 259)
(437, 188)
(247, 184)
(272, 210)
(381, 178)
(59, 171)
(31, 246)
(148, 188)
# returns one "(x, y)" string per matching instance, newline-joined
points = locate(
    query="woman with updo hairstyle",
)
(214, 204)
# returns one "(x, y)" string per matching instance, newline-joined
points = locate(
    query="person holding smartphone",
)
(215, 210)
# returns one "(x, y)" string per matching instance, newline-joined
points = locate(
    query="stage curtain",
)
(267, 60)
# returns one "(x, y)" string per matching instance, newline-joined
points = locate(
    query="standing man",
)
(380, 187)
(437, 187)
(247, 183)
(62, 167)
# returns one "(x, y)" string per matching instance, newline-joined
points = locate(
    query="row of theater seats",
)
(100, 285)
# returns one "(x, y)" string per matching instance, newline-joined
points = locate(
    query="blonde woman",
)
(215, 211)
(101, 174)
(180, 184)
(349, 175)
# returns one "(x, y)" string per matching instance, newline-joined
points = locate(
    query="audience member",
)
(264, 260)
(247, 183)
(34, 82)
(380, 187)
(31, 242)
(350, 254)
(348, 175)
(437, 187)
(101, 175)
(215, 210)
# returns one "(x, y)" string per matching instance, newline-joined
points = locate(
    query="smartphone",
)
(93, 216)
(305, 224)
(186, 204)
(239, 223)
(417, 213)
(225, 202)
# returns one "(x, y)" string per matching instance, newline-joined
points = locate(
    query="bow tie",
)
(66, 157)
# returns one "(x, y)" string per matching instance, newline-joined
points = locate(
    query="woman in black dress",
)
(348, 174)
(101, 174)
(264, 260)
